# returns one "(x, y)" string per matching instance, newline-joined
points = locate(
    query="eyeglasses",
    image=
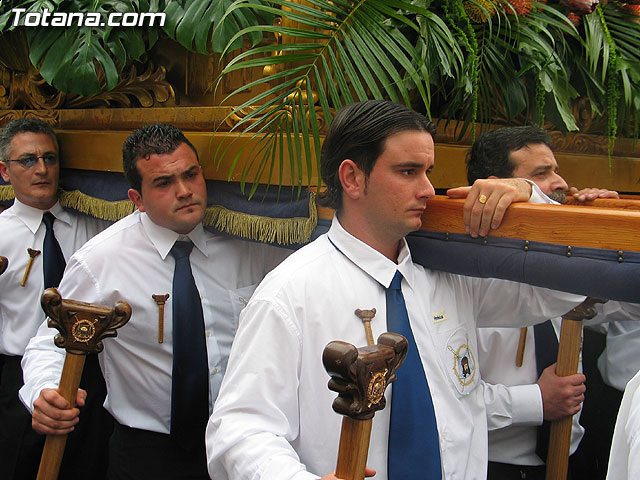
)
(30, 160)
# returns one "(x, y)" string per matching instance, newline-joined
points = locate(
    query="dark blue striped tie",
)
(414, 450)
(53, 261)
(190, 376)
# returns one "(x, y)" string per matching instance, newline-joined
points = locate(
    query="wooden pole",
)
(54, 444)
(360, 376)
(521, 346)
(82, 328)
(354, 448)
(568, 358)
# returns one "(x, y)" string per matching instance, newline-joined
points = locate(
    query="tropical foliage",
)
(473, 61)
(469, 60)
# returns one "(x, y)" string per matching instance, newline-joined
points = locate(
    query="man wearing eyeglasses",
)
(38, 236)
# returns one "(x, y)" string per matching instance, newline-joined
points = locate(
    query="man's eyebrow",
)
(192, 168)
(409, 165)
(162, 177)
(542, 168)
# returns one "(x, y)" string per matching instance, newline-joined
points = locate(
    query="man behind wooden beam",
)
(185, 286)
(38, 237)
(273, 418)
(527, 395)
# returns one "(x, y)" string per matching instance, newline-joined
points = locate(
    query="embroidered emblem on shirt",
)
(464, 364)
(439, 317)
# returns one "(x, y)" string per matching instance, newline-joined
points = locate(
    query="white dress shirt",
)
(22, 228)
(130, 261)
(273, 418)
(620, 361)
(512, 396)
(624, 461)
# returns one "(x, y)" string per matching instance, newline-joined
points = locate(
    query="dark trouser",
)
(21, 447)
(505, 471)
(139, 455)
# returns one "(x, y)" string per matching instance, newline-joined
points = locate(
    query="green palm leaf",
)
(348, 51)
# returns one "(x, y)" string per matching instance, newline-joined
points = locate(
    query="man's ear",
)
(4, 171)
(351, 178)
(136, 198)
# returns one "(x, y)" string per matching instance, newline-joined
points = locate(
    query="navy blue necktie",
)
(546, 354)
(53, 262)
(414, 449)
(190, 376)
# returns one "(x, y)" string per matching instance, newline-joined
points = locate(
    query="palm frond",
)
(348, 51)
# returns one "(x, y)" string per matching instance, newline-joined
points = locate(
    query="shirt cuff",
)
(527, 405)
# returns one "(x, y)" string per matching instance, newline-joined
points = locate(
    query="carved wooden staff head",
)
(4, 263)
(585, 311)
(360, 375)
(82, 326)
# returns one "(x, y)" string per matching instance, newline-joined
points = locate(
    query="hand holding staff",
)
(82, 327)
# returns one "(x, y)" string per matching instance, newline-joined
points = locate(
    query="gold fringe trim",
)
(6, 193)
(281, 231)
(96, 207)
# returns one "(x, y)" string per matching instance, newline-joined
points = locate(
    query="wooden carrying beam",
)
(576, 225)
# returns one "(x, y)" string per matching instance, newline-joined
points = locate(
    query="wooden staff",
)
(32, 254)
(568, 358)
(521, 346)
(82, 327)
(160, 301)
(360, 377)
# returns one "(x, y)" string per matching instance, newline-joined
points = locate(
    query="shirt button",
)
(215, 370)
(207, 334)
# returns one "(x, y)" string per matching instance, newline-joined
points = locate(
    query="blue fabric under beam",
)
(610, 274)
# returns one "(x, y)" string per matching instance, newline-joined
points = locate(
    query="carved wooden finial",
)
(32, 254)
(160, 301)
(585, 311)
(360, 375)
(82, 326)
(366, 316)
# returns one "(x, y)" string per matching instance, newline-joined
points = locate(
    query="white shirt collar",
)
(371, 261)
(32, 217)
(164, 238)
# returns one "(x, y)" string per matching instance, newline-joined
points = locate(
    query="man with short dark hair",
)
(273, 418)
(160, 387)
(30, 161)
(524, 395)
(524, 152)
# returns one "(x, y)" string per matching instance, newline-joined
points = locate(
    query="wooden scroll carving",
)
(4, 263)
(360, 377)
(82, 328)
(568, 357)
